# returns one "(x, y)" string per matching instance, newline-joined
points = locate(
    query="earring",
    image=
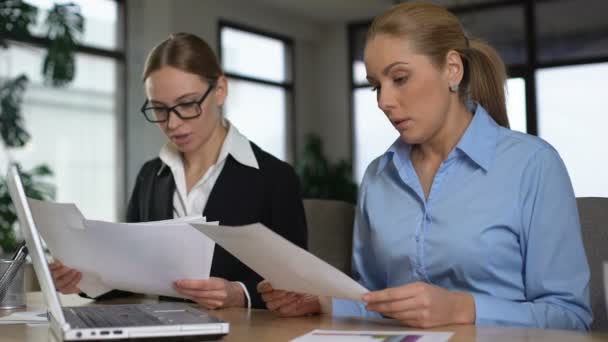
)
(454, 88)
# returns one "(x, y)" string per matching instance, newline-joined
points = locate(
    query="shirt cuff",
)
(246, 294)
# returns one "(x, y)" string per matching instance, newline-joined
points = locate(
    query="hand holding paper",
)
(138, 257)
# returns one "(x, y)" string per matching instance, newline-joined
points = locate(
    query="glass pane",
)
(253, 55)
(259, 112)
(357, 45)
(374, 133)
(73, 130)
(503, 28)
(101, 21)
(572, 117)
(516, 104)
(571, 29)
(359, 73)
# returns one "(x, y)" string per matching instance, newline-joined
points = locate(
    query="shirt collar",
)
(478, 142)
(480, 138)
(235, 144)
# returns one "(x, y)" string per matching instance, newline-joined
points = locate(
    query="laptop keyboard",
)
(110, 316)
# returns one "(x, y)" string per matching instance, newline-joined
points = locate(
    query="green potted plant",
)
(321, 178)
(64, 25)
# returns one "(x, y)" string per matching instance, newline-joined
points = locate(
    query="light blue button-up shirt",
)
(500, 223)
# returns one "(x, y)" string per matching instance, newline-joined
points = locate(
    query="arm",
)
(556, 271)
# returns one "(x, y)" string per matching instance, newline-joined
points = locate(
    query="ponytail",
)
(486, 76)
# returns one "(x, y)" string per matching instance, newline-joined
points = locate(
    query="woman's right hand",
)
(66, 279)
(288, 304)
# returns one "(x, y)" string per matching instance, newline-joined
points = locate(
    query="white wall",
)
(320, 56)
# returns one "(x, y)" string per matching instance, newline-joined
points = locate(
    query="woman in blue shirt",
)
(461, 221)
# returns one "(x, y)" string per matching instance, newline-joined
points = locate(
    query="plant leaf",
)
(65, 24)
(12, 126)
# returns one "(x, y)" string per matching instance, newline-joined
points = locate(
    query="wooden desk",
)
(262, 326)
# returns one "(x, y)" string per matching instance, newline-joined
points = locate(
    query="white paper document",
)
(25, 317)
(373, 336)
(138, 257)
(285, 265)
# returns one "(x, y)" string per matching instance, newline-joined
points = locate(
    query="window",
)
(572, 117)
(260, 90)
(516, 104)
(74, 129)
(371, 123)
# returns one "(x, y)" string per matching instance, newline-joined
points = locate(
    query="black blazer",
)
(241, 195)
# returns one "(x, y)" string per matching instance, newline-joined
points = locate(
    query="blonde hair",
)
(186, 52)
(434, 31)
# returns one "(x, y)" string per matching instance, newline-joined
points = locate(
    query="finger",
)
(412, 317)
(55, 265)
(210, 304)
(276, 305)
(65, 276)
(274, 295)
(200, 284)
(392, 293)
(204, 295)
(395, 306)
(68, 281)
(72, 288)
(264, 286)
(61, 272)
(297, 307)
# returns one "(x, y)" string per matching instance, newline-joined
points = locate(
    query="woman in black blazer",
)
(208, 168)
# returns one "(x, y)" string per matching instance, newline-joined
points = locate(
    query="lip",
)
(401, 124)
(180, 139)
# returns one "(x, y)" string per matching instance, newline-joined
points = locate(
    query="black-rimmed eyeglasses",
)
(184, 110)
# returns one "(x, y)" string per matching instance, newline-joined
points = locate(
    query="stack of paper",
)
(139, 257)
(25, 317)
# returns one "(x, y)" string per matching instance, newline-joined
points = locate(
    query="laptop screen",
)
(34, 243)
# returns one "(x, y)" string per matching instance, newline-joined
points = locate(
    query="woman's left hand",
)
(422, 305)
(212, 293)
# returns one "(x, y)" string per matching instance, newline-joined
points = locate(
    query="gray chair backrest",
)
(593, 212)
(330, 231)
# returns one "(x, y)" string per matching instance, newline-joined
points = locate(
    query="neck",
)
(202, 158)
(445, 139)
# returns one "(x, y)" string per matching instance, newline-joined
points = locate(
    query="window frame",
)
(287, 86)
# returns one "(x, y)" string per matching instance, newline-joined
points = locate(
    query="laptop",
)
(108, 322)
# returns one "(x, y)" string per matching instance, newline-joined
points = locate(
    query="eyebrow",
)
(176, 100)
(387, 69)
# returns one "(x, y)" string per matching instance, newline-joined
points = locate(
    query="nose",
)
(173, 121)
(386, 99)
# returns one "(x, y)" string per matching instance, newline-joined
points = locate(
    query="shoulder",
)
(150, 168)
(524, 147)
(271, 166)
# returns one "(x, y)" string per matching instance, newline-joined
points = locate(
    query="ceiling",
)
(330, 10)
(345, 10)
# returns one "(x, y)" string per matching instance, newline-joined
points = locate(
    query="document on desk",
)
(285, 265)
(25, 317)
(138, 257)
(373, 336)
